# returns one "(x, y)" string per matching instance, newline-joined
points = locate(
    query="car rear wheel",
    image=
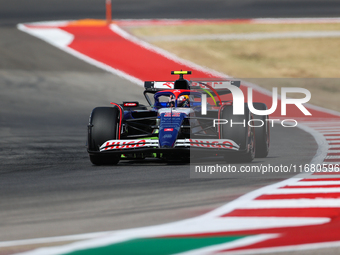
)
(261, 133)
(240, 132)
(103, 126)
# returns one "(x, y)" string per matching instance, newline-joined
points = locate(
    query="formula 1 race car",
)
(180, 123)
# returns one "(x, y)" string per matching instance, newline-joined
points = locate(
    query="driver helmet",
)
(183, 101)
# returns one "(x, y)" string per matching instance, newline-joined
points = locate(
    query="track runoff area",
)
(296, 214)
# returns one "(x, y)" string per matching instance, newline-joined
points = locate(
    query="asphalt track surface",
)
(14, 11)
(48, 187)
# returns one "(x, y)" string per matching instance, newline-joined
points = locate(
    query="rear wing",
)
(216, 87)
(158, 85)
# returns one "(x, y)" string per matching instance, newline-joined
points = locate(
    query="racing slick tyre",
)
(262, 137)
(103, 126)
(240, 132)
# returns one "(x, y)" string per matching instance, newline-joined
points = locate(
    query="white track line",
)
(185, 227)
(62, 42)
(164, 53)
(335, 132)
(322, 144)
(295, 20)
(329, 176)
(316, 183)
(54, 239)
(291, 248)
(291, 203)
(174, 22)
(328, 128)
(245, 36)
(230, 245)
(304, 191)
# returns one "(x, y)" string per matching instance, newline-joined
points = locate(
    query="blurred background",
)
(48, 186)
(14, 11)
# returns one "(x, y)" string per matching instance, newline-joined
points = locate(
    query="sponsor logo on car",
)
(172, 114)
(124, 145)
(163, 85)
(208, 143)
(169, 84)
